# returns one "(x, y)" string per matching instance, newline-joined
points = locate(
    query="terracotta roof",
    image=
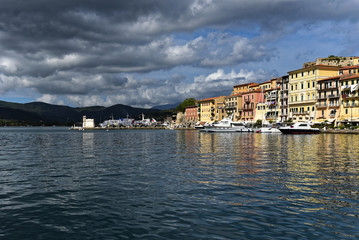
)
(243, 84)
(253, 91)
(269, 81)
(349, 76)
(234, 95)
(349, 67)
(192, 106)
(209, 99)
(329, 78)
(315, 66)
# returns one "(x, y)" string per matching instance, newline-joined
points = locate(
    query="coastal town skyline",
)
(150, 53)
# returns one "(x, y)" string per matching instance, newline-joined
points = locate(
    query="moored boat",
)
(226, 125)
(268, 130)
(299, 128)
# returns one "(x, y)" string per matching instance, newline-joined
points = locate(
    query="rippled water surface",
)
(162, 184)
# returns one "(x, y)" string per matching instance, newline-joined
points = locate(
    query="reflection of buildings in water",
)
(189, 139)
(322, 165)
(88, 144)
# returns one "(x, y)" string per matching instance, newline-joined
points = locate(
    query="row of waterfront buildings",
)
(325, 90)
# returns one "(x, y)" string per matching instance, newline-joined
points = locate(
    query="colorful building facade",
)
(211, 109)
(328, 99)
(191, 114)
(233, 106)
(249, 102)
(349, 104)
(302, 90)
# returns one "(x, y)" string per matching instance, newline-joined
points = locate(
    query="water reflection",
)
(298, 174)
(88, 144)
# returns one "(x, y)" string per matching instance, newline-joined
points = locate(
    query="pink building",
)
(191, 114)
(249, 102)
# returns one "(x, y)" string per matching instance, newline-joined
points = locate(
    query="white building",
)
(88, 123)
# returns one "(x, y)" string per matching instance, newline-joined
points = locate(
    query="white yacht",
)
(299, 128)
(226, 125)
(268, 129)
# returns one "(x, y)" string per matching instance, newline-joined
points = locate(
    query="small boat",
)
(299, 128)
(226, 125)
(268, 130)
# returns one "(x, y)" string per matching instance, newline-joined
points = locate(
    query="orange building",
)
(241, 88)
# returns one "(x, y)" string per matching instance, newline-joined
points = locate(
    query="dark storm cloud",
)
(82, 47)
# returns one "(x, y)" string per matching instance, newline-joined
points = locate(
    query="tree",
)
(187, 102)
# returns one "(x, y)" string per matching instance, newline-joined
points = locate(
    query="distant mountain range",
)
(39, 113)
(166, 107)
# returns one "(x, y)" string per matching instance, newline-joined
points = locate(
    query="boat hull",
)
(268, 130)
(299, 131)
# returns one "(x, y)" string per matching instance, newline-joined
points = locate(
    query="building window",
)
(302, 85)
(313, 84)
(308, 84)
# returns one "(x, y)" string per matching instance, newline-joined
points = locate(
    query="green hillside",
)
(39, 113)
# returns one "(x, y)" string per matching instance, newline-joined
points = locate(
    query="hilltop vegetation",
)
(39, 113)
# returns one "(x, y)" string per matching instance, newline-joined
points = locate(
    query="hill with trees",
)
(39, 113)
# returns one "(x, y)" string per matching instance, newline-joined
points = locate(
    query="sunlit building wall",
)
(302, 90)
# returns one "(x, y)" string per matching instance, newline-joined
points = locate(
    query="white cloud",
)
(51, 99)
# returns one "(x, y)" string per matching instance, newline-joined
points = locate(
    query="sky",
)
(146, 53)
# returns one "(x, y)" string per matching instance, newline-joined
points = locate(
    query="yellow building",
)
(349, 104)
(328, 99)
(233, 105)
(211, 109)
(241, 88)
(302, 90)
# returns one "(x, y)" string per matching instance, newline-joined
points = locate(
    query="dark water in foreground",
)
(162, 184)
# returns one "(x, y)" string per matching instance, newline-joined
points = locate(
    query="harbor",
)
(160, 184)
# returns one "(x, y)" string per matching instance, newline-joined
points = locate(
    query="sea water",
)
(163, 184)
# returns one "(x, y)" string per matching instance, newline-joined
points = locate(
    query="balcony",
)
(333, 96)
(348, 96)
(333, 87)
(322, 97)
(332, 115)
(334, 105)
(301, 113)
(346, 105)
(304, 101)
(271, 97)
(247, 100)
(321, 106)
